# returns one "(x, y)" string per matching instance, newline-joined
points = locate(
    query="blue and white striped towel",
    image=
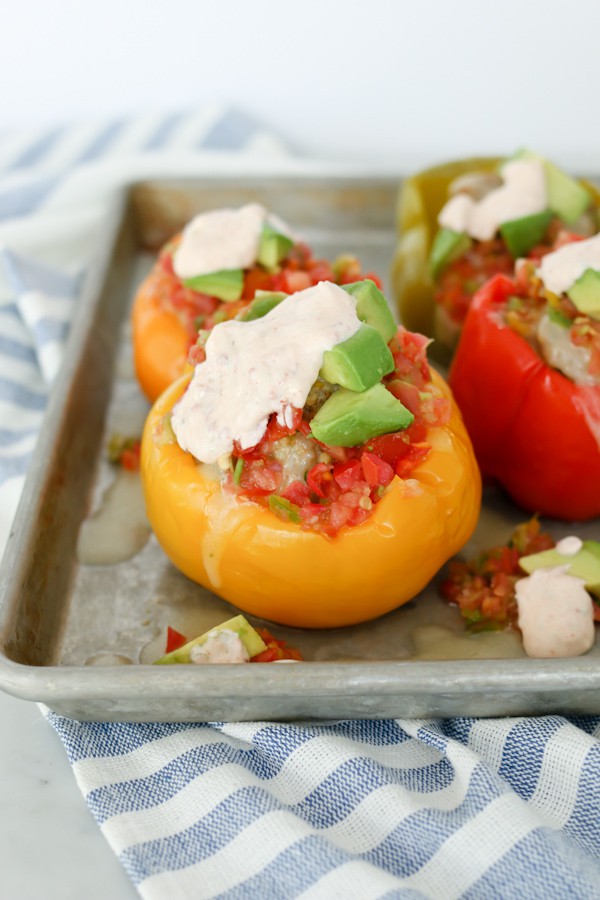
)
(395, 808)
(367, 809)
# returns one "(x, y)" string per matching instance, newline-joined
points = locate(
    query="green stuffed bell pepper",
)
(463, 222)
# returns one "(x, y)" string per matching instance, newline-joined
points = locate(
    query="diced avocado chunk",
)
(520, 235)
(227, 284)
(348, 418)
(359, 362)
(262, 304)
(584, 564)
(372, 307)
(585, 293)
(567, 198)
(250, 638)
(273, 247)
(447, 246)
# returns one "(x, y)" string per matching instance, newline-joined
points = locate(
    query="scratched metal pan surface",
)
(78, 631)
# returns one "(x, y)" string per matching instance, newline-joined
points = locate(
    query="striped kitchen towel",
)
(55, 190)
(356, 809)
(367, 809)
(33, 164)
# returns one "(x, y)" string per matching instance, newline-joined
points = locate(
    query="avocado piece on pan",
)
(250, 638)
(584, 564)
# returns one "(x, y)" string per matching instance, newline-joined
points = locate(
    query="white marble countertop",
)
(50, 845)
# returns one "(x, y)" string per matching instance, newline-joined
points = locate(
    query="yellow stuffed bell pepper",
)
(433, 289)
(167, 314)
(360, 534)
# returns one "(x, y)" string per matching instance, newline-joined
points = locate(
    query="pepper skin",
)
(421, 198)
(534, 430)
(276, 570)
(160, 340)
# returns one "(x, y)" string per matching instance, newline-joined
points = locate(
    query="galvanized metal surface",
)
(65, 626)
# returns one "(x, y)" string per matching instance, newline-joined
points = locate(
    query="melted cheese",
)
(119, 528)
(561, 353)
(224, 513)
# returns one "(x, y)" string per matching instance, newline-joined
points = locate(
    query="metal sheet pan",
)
(65, 626)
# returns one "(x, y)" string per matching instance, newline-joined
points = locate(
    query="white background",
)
(393, 84)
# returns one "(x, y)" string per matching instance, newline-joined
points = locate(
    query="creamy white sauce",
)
(457, 212)
(556, 615)
(223, 239)
(220, 239)
(561, 353)
(253, 369)
(522, 193)
(220, 646)
(560, 270)
(569, 546)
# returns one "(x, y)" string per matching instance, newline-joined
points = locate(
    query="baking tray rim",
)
(389, 677)
(403, 677)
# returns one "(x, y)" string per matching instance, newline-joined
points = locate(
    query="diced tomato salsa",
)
(125, 452)
(484, 588)
(175, 640)
(461, 278)
(464, 276)
(298, 271)
(276, 649)
(342, 485)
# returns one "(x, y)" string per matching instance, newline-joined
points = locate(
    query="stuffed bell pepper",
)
(526, 375)
(312, 470)
(207, 274)
(463, 222)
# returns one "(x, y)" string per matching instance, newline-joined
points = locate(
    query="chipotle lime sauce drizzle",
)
(254, 369)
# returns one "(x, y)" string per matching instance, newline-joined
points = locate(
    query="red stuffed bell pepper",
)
(534, 429)
(464, 222)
